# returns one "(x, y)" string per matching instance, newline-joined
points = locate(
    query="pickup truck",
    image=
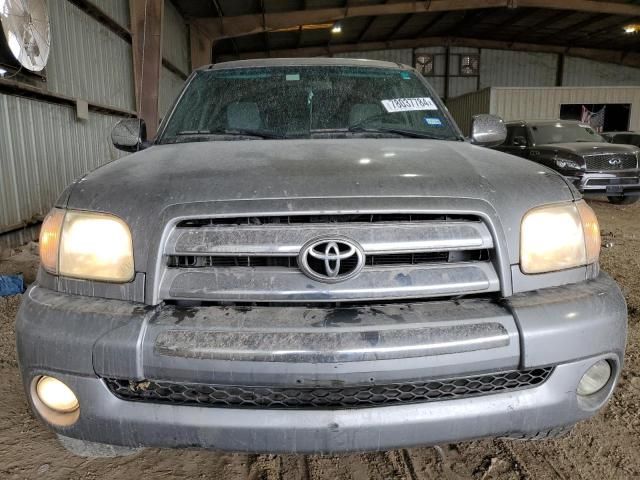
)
(585, 158)
(309, 257)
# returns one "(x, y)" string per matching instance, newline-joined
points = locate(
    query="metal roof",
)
(594, 24)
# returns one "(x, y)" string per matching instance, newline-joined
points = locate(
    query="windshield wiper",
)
(360, 126)
(248, 132)
(396, 131)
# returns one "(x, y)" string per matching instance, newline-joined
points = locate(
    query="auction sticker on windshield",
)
(408, 104)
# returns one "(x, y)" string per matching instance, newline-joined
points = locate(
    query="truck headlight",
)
(86, 245)
(556, 237)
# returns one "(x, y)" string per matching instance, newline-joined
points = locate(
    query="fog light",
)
(595, 378)
(56, 395)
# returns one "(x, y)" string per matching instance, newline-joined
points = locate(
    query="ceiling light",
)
(337, 28)
(632, 28)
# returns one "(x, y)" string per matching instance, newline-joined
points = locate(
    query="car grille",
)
(206, 261)
(611, 161)
(321, 219)
(228, 396)
(255, 259)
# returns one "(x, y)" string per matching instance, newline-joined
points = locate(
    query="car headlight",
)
(557, 237)
(86, 245)
(567, 164)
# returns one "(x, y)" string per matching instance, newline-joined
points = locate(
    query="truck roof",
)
(303, 62)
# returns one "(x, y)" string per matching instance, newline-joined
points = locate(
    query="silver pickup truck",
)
(309, 257)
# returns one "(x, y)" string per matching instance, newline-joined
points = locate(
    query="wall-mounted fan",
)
(26, 40)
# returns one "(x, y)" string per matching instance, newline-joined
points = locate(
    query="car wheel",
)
(83, 448)
(623, 200)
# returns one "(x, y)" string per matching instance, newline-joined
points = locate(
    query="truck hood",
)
(588, 148)
(140, 187)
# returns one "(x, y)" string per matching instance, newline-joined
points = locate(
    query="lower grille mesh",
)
(228, 396)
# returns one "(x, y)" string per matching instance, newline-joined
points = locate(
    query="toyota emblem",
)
(331, 259)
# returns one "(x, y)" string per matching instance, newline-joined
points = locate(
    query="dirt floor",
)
(606, 447)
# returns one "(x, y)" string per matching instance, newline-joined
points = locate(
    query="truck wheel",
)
(623, 200)
(83, 448)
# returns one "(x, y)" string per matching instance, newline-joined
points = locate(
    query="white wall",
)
(544, 103)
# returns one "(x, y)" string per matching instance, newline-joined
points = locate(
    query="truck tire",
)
(623, 200)
(83, 448)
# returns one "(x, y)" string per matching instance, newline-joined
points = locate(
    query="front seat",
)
(363, 111)
(243, 116)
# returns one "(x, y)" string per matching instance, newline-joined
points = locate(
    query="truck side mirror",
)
(488, 130)
(129, 134)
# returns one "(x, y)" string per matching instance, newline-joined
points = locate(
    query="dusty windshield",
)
(307, 102)
(564, 133)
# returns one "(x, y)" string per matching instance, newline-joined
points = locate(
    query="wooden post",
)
(201, 48)
(146, 39)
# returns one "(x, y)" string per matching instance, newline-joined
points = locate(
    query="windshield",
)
(564, 133)
(307, 102)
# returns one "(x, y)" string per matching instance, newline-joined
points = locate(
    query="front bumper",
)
(612, 183)
(81, 340)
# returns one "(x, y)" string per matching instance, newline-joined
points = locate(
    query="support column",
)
(560, 70)
(146, 39)
(201, 47)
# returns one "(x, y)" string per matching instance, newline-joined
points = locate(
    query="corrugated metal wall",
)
(175, 49)
(400, 55)
(170, 86)
(117, 10)
(583, 72)
(88, 60)
(463, 108)
(439, 67)
(503, 68)
(175, 38)
(460, 85)
(530, 103)
(42, 149)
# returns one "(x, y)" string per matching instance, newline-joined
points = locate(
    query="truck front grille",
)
(230, 396)
(255, 258)
(418, 258)
(322, 219)
(611, 161)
